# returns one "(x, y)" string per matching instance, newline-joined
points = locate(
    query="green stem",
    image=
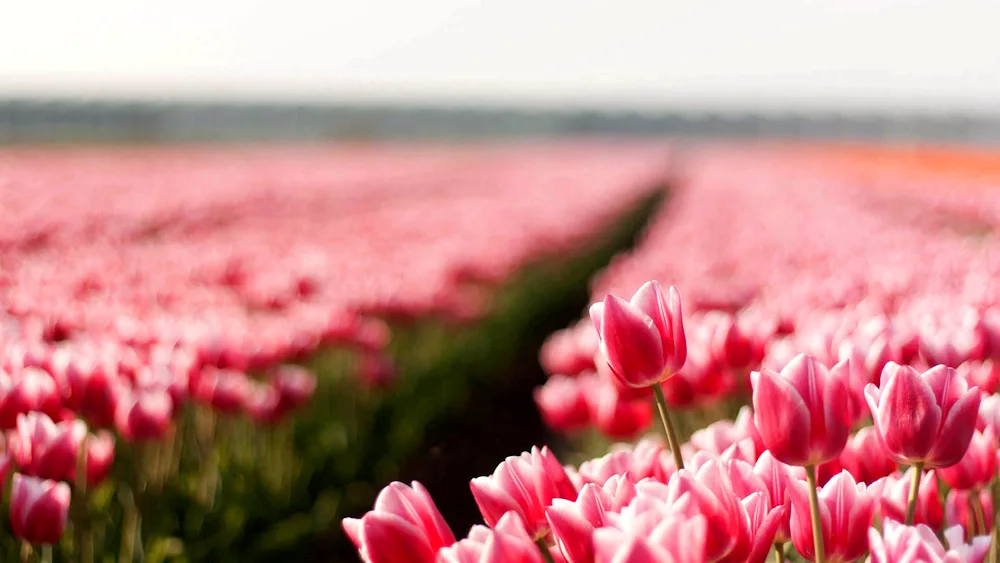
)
(130, 526)
(46, 554)
(995, 548)
(83, 535)
(779, 553)
(544, 548)
(668, 426)
(911, 505)
(978, 513)
(817, 522)
(25, 552)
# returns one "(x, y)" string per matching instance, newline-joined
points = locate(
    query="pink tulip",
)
(989, 414)
(615, 415)
(722, 434)
(801, 412)
(404, 526)
(38, 509)
(30, 389)
(507, 542)
(864, 457)
(846, 511)
(673, 538)
(778, 479)
(906, 544)
(94, 390)
(730, 346)
(642, 460)
(100, 457)
(573, 523)
(711, 495)
(961, 510)
(895, 499)
(985, 375)
(525, 484)
(562, 403)
(42, 448)
(295, 386)
(923, 418)
(642, 339)
(226, 390)
(977, 467)
(144, 415)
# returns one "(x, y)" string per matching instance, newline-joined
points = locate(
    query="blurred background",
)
(450, 68)
(383, 147)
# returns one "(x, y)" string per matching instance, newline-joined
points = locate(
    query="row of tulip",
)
(156, 306)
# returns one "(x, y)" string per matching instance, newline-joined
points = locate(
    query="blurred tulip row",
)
(851, 325)
(157, 306)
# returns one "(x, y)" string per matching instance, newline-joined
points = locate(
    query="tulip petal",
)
(908, 416)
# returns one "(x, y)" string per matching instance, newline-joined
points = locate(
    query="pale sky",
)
(702, 54)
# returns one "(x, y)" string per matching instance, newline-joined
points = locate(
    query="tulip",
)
(923, 419)
(226, 390)
(508, 541)
(144, 415)
(562, 403)
(405, 525)
(94, 389)
(642, 339)
(639, 461)
(971, 510)
(906, 544)
(712, 496)
(928, 509)
(38, 509)
(846, 509)
(977, 467)
(100, 457)
(42, 448)
(525, 484)
(614, 415)
(30, 389)
(573, 523)
(778, 479)
(295, 386)
(864, 457)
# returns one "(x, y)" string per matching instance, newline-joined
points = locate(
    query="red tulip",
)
(525, 484)
(846, 511)
(924, 418)
(801, 413)
(38, 509)
(94, 390)
(906, 544)
(404, 526)
(642, 339)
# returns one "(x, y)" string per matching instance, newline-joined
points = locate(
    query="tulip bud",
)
(38, 509)
(144, 415)
(802, 412)
(643, 339)
(923, 418)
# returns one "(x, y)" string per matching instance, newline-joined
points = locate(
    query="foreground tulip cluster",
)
(857, 323)
(794, 476)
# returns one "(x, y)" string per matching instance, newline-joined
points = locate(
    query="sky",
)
(847, 55)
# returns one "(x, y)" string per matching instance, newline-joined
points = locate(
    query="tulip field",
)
(741, 352)
(796, 362)
(207, 351)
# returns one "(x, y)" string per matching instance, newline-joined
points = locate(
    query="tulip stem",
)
(25, 551)
(84, 538)
(817, 522)
(978, 513)
(544, 548)
(779, 553)
(995, 549)
(46, 554)
(668, 426)
(911, 505)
